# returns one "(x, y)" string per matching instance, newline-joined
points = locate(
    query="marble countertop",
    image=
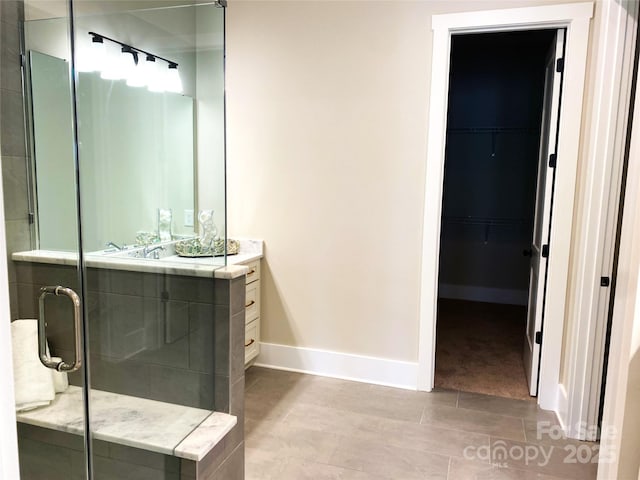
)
(250, 250)
(166, 428)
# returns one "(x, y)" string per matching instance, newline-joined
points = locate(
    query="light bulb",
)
(92, 58)
(155, 77)
(114, 67)
(137, 75)
(118, 64)
(127, 63)
(172, 79)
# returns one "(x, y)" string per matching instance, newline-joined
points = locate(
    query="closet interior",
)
(496, 91)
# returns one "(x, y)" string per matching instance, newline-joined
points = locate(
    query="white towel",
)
(60, 379)
(33, 381)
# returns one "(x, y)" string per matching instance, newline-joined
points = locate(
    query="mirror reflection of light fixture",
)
(126, 62)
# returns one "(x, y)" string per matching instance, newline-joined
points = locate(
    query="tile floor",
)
(306, 427)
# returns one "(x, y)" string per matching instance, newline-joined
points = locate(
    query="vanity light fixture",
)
(138, 67)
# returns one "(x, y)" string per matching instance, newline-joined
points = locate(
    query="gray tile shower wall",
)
(13, 152)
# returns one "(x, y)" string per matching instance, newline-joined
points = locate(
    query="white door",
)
(539, 243)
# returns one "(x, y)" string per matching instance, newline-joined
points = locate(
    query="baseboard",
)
(562, 412)
(483, 294)
(359, 368)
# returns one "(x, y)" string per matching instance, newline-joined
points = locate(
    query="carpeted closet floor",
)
(479, 348)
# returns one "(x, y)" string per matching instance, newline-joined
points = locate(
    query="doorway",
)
(576, 19)
(500, 108)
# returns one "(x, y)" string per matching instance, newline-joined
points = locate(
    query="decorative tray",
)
(193, 248)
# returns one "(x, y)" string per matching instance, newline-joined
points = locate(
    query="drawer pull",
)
(251, 272)
(252, 302)
(250, 343)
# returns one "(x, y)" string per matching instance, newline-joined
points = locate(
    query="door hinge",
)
(604, 281)
(31, 218)
(553, 160)
(560, 65)
(539, 338)
(545, 251)
(22, 59)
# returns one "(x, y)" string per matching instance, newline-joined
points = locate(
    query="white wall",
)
(327, 127)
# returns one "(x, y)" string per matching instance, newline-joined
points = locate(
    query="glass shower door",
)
(150, 116)
(46, 278)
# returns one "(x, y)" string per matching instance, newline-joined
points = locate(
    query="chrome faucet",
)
(110, 245)
(153, 252)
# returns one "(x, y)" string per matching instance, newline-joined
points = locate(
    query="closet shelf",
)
(493, 130)
(486, 221)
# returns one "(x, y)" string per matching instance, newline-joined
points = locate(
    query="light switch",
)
(188, 218)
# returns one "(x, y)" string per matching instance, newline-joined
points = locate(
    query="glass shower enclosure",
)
(120, 327)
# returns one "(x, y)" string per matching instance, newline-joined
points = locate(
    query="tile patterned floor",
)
(306, 427)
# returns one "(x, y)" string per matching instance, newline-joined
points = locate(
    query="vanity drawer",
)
(254, 271)
(252, 302)
(251, 340)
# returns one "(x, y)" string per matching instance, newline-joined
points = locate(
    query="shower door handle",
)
(45, 358)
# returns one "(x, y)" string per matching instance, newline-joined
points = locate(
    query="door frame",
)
(595, 240)
(575, 18)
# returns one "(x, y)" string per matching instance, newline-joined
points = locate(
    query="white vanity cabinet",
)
(252, 312)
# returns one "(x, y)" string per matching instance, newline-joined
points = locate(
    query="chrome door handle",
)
(45, 358)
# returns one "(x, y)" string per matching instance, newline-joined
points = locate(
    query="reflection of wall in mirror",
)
(136, 155)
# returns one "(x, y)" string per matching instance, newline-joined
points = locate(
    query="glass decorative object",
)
(208, 230)
(164, 224)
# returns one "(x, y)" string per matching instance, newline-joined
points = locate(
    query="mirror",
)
(136, 156)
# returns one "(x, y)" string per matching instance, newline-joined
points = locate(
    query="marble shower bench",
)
(160, 427)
